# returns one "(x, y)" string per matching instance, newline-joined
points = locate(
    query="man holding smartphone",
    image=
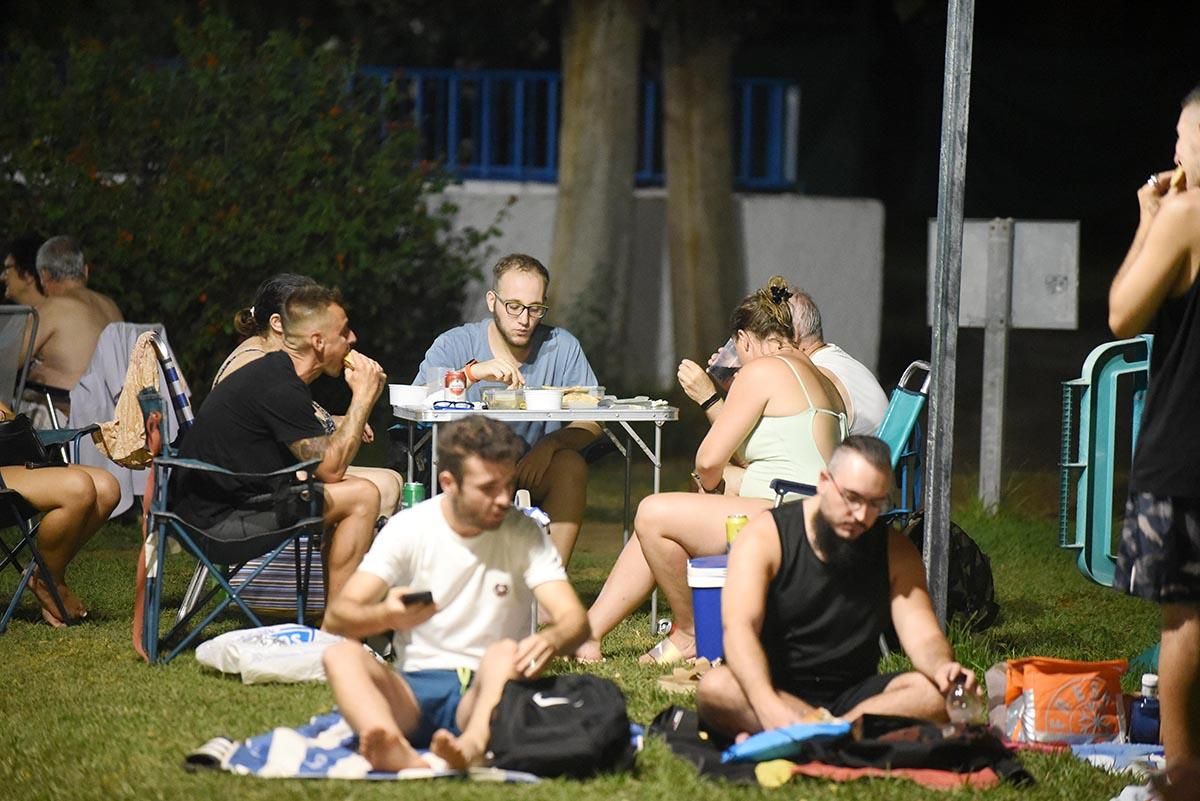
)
(455, 578)
(1157, 288)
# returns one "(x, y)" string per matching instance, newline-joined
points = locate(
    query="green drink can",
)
(414, 493)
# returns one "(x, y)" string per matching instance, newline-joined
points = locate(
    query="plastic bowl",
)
(407, 394)
(543, 400)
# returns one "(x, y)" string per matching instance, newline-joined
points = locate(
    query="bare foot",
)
(74, 607)
(589, 652)
(388, 751)
(458, 752)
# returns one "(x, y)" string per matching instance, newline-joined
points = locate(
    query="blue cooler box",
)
(706, 577)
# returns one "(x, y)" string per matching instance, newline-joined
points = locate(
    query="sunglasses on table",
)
(443, 405)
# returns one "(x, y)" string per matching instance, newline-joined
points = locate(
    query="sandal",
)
(685, 679)
(665, 653)
(54, 608)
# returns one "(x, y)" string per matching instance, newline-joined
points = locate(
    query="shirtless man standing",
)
(70, 318)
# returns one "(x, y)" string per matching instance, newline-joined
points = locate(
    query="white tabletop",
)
(617, 413)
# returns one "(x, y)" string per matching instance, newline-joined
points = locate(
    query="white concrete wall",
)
(831, 247)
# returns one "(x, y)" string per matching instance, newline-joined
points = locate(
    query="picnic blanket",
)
(324, 748)
(883, 746)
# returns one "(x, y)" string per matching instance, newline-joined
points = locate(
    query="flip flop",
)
(52, 619)
(685, 679)
(664, 653)
(50, 609)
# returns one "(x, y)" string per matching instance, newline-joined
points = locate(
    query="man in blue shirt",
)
(514, 349)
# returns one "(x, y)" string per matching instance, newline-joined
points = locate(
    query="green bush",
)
(190, 181)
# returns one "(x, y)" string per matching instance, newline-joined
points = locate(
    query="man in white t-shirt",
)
(484, 563)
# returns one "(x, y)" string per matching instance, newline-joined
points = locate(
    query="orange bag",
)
(1061, 700)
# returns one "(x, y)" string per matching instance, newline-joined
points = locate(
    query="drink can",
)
(734, 524)
(414, 493)
(456, 384)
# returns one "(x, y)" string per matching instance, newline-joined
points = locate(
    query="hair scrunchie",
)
(779, 294)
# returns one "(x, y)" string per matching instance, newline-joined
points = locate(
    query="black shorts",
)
(242, 534)
(1159, 557)
(840, 697)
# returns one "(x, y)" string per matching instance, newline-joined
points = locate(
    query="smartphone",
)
(418, 597)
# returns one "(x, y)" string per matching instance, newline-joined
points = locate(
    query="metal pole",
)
(939, 449)
(995, 361)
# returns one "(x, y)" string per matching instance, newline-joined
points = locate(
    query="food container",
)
(407, 394)
(502, 398)
(543, 400)
(582, 397)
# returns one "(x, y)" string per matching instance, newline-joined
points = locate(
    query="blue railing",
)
(503, 125)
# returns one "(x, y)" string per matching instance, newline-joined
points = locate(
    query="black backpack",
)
(572, 725)
(970, 594)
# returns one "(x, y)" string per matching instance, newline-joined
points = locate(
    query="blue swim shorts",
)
(438, 693)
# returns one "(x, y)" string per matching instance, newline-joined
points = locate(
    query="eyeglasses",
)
(857, 502)
(516, 308)
(444, 404)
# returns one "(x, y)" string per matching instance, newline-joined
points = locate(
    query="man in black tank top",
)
(1158, 288)
(810, 587)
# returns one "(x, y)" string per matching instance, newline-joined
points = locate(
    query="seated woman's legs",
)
(675, 526)
(701, 524)
(389, 483)
(75, 502)
(629, 583)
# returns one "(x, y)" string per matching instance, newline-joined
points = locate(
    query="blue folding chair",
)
(219, 560)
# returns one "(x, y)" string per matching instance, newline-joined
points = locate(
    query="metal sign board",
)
(1045, 279)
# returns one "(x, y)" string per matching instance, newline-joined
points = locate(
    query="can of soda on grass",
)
(414, 493)
(733, 524)
(456, 384)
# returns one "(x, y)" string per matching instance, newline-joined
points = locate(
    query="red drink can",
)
(455, 382)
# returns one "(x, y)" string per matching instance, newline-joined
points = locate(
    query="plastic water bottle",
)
(1143, 718)
(963, 706)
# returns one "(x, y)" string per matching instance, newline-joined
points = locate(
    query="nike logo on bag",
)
(544, 701)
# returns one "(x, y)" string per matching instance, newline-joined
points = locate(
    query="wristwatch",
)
(467, 370)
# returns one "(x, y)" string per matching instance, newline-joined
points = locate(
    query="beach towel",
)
(324, 748)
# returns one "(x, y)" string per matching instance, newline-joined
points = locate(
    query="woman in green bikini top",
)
(782, 414)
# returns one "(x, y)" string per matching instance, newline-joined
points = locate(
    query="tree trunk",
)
(593, 228)
(702, 226)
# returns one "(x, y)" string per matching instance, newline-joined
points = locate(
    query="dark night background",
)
(1072, 104)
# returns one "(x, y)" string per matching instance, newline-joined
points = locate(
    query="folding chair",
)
(219, 559)
(902, 433)
(18, 334)
(17, 512)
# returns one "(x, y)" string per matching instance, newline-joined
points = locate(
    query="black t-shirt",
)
(822, 625)
(245, 424)
(1167, 459)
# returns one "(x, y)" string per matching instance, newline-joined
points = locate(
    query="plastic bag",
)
(283, 653)
(1045, 700)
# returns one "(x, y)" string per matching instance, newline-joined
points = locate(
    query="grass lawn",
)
(84, 718)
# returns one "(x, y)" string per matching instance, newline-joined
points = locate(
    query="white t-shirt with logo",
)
(482, 585)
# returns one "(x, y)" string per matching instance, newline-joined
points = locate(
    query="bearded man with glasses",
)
(513, 348)
(810, 587)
